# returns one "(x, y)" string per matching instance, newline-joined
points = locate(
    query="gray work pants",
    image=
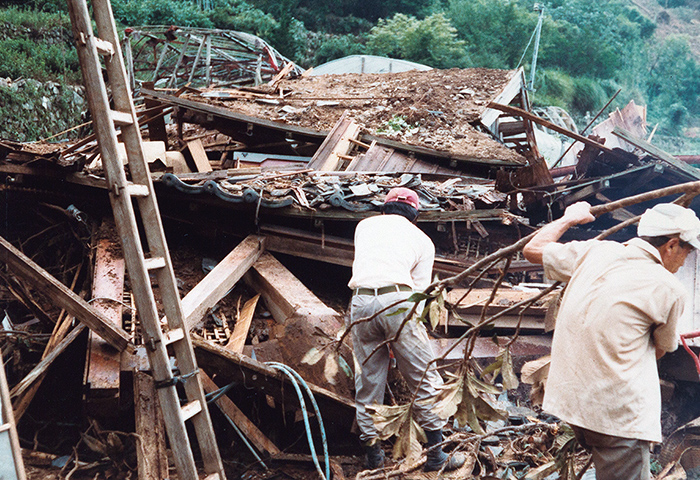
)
(616, 458)
(412, 352)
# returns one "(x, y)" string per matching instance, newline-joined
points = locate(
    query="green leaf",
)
(495, 367)
(418, 297)
(397, 311)
(344, 366)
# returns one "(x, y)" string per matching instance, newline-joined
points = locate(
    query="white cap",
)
(670, 219)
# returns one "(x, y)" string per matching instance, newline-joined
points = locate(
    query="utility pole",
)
(538, 29)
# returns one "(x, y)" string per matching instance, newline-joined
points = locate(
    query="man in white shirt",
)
(394, 258)
(618, 315)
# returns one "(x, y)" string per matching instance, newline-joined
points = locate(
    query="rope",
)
(295, 378)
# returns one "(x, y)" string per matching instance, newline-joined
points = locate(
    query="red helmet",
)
(403, 195)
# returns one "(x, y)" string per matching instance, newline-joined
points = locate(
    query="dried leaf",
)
(510, 380)
(485, 411)
(94, 444)
(536, 370)
(408, 441)
(495, 367)
(438, 314)
(330, 370)
(449, 398)
(313, 356)
(389, 418)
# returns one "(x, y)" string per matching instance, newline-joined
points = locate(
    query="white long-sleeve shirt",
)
(390, 250)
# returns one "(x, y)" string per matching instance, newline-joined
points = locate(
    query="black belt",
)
(382, 290)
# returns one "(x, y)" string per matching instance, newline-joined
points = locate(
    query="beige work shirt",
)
(619, 306)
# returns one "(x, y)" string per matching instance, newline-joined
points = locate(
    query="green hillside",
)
(588, 49)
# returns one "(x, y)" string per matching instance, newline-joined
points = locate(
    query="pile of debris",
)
(260, 188)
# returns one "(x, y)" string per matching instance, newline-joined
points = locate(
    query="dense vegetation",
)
(588, 49)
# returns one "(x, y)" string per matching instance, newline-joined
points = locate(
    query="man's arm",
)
(575, 214)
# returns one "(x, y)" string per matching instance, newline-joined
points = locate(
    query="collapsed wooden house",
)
(260, 188)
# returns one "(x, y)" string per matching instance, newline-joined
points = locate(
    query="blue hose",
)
(296, 379)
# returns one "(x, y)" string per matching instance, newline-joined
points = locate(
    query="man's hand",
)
(578, 213)
(575, 214)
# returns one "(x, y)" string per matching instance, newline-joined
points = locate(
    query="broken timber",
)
(40, 279)
(221, 279)
(337, 145)
(104, 370)
(152, 456)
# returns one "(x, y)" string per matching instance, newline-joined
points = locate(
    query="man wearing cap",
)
(393, 258)
(618, 315)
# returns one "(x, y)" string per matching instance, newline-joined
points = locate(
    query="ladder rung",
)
(191, 409)
(136, 190)
(122, 118)
(104, 47)
(154, 263)
(173, 336)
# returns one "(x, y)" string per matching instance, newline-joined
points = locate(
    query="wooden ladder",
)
(152, 256)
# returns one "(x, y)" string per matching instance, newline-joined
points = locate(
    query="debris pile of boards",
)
(260, 188)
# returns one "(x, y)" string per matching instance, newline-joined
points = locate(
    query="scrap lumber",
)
(240, 331)
(20, 265)
(540, 121)
(656, 152)
(151, 452)
(338, 143)
(248, 428)
(280, 76)
(199, 155)
(39, 370)
(260, 378)
(221, 279)
(103, 370)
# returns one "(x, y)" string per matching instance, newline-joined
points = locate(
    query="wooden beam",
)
(199, 155)
(252, 433)
(656, 152)
(221, 279)
(151, 452)
(22, 266)
(240, 331)
(103, 372)
(283, 293)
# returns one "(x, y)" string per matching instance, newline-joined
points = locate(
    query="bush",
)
(160, 12)
(588, 95)
(337, 46)
(242, 17)
(432, 41)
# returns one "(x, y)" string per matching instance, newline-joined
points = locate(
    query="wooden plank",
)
(103, 370)
(22, 266)
(336, 143)
(240, 331)
(221, 279)
(199, 155)
(656, 152)
(248, 428)
(151, 454)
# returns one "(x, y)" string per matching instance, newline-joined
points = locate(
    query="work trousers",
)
(616, 458)
(412, 352)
